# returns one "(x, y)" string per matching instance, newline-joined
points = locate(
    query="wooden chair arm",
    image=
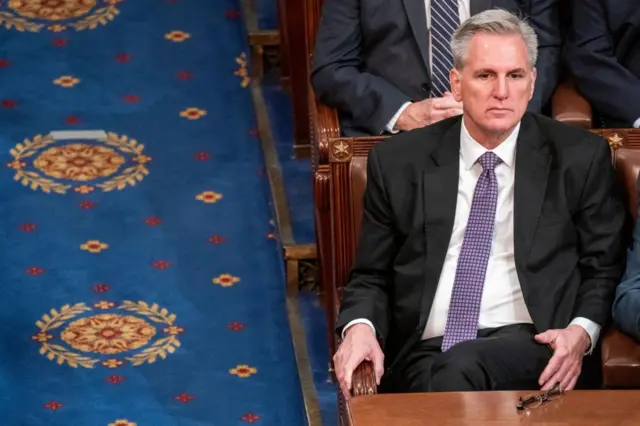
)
(328, 120)
(620, 360)
(364, 380)
(568, 106)
(324, 125)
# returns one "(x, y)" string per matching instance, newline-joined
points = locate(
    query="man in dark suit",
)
(603, 53)
(626, 305)
(491, 243)
(385, 64)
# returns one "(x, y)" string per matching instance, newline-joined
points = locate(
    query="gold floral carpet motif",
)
(57, 15)
(42, 163)
(79, 337)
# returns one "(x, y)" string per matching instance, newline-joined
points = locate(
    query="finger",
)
(551, 369)
(453, 112)
(441, 114)
(340, 373)
(563, 371)
(446, 103)
(378, 364)
(345, 390)
(566, 368)
(547, 337)
(564, 381)
(349, 368)
(571, 384)
(554, 380)
(572, 373)
(440, 103)
(347, 375)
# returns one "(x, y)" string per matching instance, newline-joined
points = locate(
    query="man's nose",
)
(501, 88)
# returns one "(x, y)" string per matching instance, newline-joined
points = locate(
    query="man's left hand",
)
(569, 346)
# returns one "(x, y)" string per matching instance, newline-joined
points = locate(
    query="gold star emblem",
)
(615, 140)
(341, 150)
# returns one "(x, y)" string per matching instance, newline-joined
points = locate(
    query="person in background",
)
(602, 52)
(626, 305)
(384, 65)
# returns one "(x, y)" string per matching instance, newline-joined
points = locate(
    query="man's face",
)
(495, 84)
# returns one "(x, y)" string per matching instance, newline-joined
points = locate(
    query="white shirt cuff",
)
(358, 321)
(636, 123)
(592, 329)
(389, 128)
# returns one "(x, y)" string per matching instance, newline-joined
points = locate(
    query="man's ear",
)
(455, 79)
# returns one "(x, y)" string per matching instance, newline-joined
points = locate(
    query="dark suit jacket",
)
(568, 221)
(602, 51)
(626, 305)
(372, 56)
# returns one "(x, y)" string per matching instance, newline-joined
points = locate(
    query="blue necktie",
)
(444, 21)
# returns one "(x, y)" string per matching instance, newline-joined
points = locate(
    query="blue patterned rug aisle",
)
(141, 281)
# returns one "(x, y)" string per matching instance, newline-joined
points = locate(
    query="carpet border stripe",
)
(285, 233)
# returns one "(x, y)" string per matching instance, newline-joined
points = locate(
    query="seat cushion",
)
(627, 164)
(620, 360)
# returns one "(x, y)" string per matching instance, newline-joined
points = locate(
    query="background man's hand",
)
(569, 346)
(359, 344)
(428, 111)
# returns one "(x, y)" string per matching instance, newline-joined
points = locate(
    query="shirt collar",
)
(470, 150)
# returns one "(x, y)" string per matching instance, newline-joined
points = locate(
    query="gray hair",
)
(497, 22)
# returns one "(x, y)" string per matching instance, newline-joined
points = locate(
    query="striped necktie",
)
(444, 21)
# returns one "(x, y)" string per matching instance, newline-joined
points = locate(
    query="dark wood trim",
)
(294, 14)
(264, 38)
(300, 251)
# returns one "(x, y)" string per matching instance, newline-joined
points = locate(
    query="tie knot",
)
(489, 161)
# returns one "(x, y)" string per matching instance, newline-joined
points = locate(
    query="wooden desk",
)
(579, 408)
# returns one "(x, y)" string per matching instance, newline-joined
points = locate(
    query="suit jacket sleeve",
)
(590, 51)
(600, 222)
(366, 294)
(544, 18)
(626, 305)
(337, 76)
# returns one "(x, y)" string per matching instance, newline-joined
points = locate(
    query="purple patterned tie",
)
(464, 309)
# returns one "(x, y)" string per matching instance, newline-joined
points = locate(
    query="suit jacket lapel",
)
(440, 194)
(477, 6)
(532, 170)
(418, 20)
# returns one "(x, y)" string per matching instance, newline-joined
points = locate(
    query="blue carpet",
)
(139, 285)
(267, 13)
(296, 172)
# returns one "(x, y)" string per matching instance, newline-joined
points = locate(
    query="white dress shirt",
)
(502, 299)
(464, 12)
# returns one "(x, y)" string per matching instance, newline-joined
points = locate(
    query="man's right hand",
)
(428, 111)
(359, 344)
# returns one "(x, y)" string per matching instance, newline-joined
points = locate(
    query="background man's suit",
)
(626, 305)
(567, 229)
(603, 54)
(371, 56)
